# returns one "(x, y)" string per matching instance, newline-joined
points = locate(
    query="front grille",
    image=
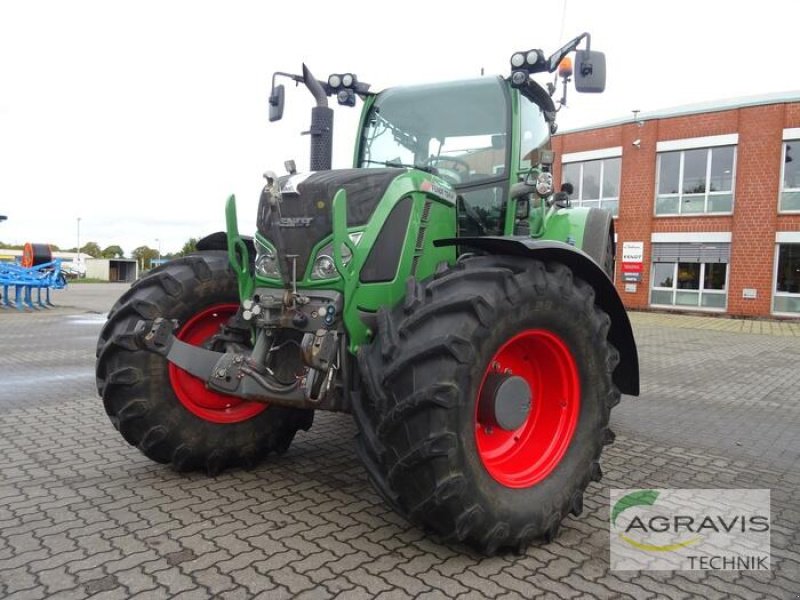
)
(296, 229)
(304, 217)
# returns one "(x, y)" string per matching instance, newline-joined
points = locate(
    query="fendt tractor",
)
(441, 291)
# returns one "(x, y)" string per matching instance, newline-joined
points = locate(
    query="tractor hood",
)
(304, 217)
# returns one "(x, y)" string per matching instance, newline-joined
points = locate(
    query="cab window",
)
(534, 133)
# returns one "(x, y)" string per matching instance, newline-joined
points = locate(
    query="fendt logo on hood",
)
(295, 222)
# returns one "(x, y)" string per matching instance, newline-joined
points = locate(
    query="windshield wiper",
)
(396, 164)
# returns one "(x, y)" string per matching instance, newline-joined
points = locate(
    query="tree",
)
(92, 249)
(145, 255)
(189, 247)
(112, 252)
(53, 247)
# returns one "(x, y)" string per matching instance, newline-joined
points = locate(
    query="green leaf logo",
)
(645, 498)
(640, 498)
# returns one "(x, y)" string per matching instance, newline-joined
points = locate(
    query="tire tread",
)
(408, 437)
(148, 415)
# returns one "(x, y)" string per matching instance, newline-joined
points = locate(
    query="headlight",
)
(532, 57)
(266, 260)
(519, 78)
(324, 265)
(544, 184)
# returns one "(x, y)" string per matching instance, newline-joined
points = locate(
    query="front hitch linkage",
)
(231, 373)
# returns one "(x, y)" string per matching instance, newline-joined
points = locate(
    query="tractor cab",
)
(482, 136)
(479, 135)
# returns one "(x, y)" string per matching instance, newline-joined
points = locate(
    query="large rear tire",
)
(425, 438)
(166, 413)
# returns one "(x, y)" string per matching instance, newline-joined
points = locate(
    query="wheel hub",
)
(505, 401)
(527, 408)
(191, 391)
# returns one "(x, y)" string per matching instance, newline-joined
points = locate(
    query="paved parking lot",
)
(82, 514)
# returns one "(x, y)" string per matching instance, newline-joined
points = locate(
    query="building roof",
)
(699, 107)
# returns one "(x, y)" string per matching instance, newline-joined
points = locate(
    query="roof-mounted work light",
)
(344, 85)
(525, 63)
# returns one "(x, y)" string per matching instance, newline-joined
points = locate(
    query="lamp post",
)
(78, 247)
(158, 241)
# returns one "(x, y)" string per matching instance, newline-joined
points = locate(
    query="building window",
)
(790, 190)
(690, 275)
(689, 285)
(596, 183)
(696, 181)
(787, 280)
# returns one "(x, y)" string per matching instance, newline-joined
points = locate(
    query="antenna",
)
(563, 21)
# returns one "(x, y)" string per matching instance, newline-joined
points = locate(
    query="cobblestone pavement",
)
(82, 514)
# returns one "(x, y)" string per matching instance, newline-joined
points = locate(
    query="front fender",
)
(626, 375)
(219, 241)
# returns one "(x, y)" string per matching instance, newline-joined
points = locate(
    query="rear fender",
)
(626, 375)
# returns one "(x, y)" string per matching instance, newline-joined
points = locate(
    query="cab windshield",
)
(458, 128)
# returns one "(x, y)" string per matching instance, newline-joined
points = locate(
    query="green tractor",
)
(440, 292)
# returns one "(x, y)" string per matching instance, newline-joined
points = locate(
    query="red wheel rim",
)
(191, 391)
(525, 456)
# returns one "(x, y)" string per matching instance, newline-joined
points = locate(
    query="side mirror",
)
(590, 71)
(276, 103)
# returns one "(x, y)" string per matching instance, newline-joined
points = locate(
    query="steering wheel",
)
(458, 174)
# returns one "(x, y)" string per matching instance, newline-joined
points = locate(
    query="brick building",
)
(707, 200)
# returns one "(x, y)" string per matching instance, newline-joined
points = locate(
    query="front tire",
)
(423, 438)
(166, 413)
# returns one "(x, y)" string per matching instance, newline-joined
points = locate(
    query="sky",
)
(141, 118)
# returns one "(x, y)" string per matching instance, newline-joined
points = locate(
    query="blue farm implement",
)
(26, 281)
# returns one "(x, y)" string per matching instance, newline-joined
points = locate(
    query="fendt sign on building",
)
(632, 261)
